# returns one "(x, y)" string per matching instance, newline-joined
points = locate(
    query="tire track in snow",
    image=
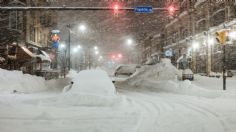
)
(202, 119)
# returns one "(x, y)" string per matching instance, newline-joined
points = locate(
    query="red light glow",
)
(171, 9)
(116, 7)
(120, 56)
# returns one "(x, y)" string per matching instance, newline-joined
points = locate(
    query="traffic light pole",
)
(69, 55)
(29, 8)
(224, 68)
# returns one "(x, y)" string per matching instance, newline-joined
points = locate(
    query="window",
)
(16, 20)
(32, 33)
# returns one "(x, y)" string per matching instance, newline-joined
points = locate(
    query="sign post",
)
(222, 37)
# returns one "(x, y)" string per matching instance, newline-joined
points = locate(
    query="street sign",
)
(143, 9)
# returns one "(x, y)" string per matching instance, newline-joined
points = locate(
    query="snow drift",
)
(159, 72)
(162, 77)
(16, 80)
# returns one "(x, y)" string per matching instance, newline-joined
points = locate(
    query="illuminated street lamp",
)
(195, 46)
(232, 35)
(82, 28)
(211, 41)
(96, 52)
(62, 46)
(129, 41)
(75, 49)
(79, 47)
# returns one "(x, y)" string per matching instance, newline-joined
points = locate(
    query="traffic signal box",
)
(222, 36)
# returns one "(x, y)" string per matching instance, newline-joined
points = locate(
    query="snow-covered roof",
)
(222, 9)
(199, 2)
(183, 14)
(44, 56)
(172, 22)
(26, 50)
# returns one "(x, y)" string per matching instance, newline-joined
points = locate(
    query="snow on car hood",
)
(95, 82)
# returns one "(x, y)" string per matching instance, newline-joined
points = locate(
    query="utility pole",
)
(208, 50)
(89, 58)
(221, 37)
(69, 55)
(192, 25)
(224, 68)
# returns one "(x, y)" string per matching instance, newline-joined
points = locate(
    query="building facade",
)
(25, 36)
(191, 30)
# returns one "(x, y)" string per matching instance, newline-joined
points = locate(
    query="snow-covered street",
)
(156, 102)
(138, 111)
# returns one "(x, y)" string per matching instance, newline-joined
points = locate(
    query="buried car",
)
(126, 69)
(187, 74)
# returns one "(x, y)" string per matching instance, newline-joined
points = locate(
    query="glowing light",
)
(120, 56)
(211, 41)
(232, 35)
(62, 46)
(75, 50)
(195, 45)
(129, 41)
(116, 7)
(171, 9)
(82, 27)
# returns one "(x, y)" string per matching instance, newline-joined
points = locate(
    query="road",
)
(134, 110)
(168, 112)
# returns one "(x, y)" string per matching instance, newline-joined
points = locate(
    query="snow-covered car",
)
(187, 74)
(125, 69)
(230, 74)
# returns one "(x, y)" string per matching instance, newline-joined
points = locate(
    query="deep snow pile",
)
(95, 82)
(183, 87)
(90, 88)
(162, 77)
(160, 72)
(16, 80)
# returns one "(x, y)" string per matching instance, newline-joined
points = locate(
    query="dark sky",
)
(106, 29)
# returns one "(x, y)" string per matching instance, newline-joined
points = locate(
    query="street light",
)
(95, 48)
(195, 46)
(62, 46)
(211, 41)
(75, 49)
(96, 52)
(129, 41)
(232, 35)
(82, 28)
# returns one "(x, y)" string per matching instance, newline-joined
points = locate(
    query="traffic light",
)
(116, 8)
(171, 10)
(120, 55)
(222, 37)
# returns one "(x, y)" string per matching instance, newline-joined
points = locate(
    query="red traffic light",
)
(171, 9)
(116, 7)
(120, 55)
